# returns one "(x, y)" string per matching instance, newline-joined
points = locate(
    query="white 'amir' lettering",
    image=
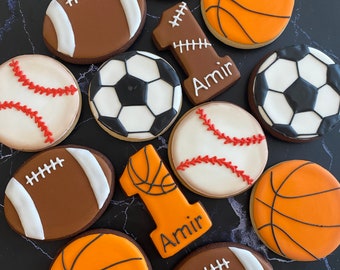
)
(214, 77)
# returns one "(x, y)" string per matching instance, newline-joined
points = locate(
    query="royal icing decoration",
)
(40, 102)
(111, 250)
(208, 73)
(132, 84)
(295, 218)
(210, 141)
(178, 222)
(119, 23)
(76, 187)
(246, 24)
(305, 102)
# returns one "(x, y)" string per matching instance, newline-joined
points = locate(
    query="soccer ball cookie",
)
(295, 93)
(135, 96)
(218, 149)
(40, 102)
(58, 192)
(222, 256)
(86, 31)
(102, 249)
(247, 24)
(294, 208)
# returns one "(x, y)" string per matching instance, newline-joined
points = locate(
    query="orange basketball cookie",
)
(294, 208)
(102, 249)
(246, 24)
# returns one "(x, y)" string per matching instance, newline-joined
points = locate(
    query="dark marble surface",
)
(313, 22)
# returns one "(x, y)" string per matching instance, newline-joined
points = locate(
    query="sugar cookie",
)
(40, 102)
(178, 222)
(135, 96)
(208, 74)
(102, 249)
(247, 24)
(86, 32)
(217, 149)
(58, 192)
(295, 93)
(223, 255)
(294, 208)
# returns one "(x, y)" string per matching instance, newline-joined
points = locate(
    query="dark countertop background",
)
(314, 22)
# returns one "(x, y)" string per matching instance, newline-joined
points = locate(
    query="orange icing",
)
(100, 251)
(295, 209)
(248, 22)
(178, 222)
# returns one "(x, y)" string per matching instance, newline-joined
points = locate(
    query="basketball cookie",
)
(295, 93)
(178, 222)
(102, 249)
(208, 74)
(40, 102)
(217, 149)
(222, 255)
(246, 24)
(58, 192)
(294, 209)
(135, 96)
(84, 32)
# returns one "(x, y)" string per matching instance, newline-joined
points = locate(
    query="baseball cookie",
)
(135, 96)
(178, 222)
(295, 210)
(58, 192)
(222, 256)
(218, 150)
(208, 73)
(247, 24)
(85, 32)
(102, 249)
(40, 102)
(295, 93)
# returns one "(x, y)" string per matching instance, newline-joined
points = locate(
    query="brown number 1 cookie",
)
(208, 73)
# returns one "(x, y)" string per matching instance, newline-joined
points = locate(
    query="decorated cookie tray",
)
(140, 183)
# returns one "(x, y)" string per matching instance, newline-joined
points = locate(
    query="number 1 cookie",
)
(209, 74)
(40, 102)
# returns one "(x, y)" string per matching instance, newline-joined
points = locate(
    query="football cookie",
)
(58, 192)
(102, 249)
(135, 96)
(40, 102)
(222, 255)
(86, 32)
(178, 222)
(295, 93)
(294, 208)
(217, 149)
(246, 24)
(208, 74)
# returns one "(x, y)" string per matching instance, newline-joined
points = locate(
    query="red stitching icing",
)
(22, 78)
(227, 139)
(215, 160)
(31, 114)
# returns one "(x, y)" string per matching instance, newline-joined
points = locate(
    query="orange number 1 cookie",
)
(178, 222)
(208, 73)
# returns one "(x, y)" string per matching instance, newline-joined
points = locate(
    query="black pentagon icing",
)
(162, 121)
(328, 123)
(294, 53)
(333, 77)
(301, 96)
(285, 130)
(113, 124)
(131, 91)
(95, 85)
(124, 56)
(260, 89)
(167, 73)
